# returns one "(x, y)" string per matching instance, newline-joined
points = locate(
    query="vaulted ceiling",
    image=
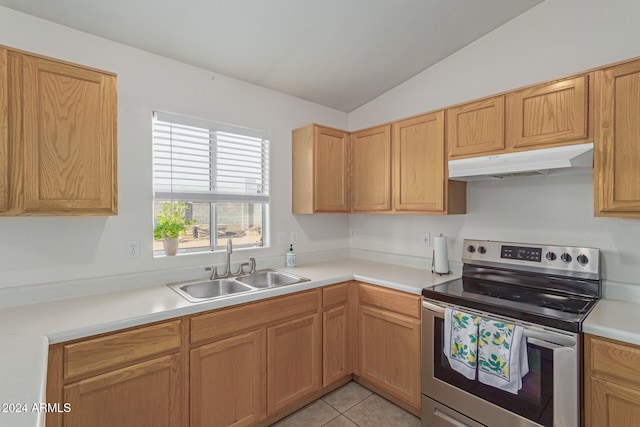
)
(337, 53)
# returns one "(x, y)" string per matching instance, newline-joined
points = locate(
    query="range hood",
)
(564, 160)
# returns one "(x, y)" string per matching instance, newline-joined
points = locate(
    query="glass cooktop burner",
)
(561, 311)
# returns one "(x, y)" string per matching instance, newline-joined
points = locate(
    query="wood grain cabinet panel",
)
(69, 118)
(61, 124)
(294, 361)
(371, 169)
(617, 155)
(476, 128)
(228, 380)
(420, 183)
(612, 383)
(336, 333)
(389, 351)
(4, 130)
(320, 170)
(144, 394)
(550, 114)
(389, 344)
(113, 350)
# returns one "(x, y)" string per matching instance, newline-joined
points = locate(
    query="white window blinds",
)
(199, 161)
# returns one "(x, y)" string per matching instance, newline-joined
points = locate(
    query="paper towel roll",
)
(440, 257)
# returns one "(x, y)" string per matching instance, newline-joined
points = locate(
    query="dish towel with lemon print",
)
(502, 355)
(461, 341)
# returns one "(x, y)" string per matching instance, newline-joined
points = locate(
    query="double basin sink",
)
(202, 290)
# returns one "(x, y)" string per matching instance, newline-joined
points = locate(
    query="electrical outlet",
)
(133, 249)
(280, 239)
(294, 237)
(425, 237)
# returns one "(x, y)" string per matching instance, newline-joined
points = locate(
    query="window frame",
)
(213, 197)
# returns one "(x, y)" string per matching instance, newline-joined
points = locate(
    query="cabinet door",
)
(550, 114)
(331, 174)
(418, 163)
(335, 351)
(611, 405)
(4, 130)
(371, 169)
(145, 394)
(293, 361)
(476, 128)
(228, 381)
(617, 176)
(390, 353)
(69, 130)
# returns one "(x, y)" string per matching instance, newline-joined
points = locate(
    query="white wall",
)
(556, 38)
(38, 250)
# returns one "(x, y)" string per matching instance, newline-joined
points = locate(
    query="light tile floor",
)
(349, 406)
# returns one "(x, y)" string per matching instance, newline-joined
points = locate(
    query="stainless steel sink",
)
(270, 279)
(202, 290)
(208, 289)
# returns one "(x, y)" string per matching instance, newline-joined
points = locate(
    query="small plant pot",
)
(171, 246)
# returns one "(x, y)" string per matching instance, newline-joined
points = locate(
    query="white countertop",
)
(615, 319)
(22, 386)
(26, 331)
(89, 315)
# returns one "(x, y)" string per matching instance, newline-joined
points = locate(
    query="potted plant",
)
(171, 223)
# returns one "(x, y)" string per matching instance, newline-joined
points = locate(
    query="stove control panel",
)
(564, 259)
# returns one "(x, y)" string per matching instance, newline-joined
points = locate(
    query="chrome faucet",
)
(227, 268)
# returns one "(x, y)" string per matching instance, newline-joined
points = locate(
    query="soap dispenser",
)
(291, 257)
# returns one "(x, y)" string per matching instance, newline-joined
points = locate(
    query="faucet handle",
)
(252, 262)
(214, 272)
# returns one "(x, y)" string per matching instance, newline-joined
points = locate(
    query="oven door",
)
(549, 394)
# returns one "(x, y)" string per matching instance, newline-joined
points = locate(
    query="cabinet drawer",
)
(230, 321)
(614, 358)
(98, 354)
(336, 294)
(389, 299)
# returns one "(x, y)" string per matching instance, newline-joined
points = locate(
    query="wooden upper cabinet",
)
(555, 113)
(419, 163)
(320, 170)
(617, 133)
(58, 142)
(476, 128)
(371, 169)
(69, 118)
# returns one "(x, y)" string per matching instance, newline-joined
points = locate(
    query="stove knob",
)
(471, 249)
(566, 257)
(582, 259)
(551, 256)
(482, 250)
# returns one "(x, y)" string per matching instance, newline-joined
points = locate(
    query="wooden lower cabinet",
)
(128, 378)
(249, 364)
(336, 333)
(144, 394)
(612, 383)
(389, 344)
(227, 381)
(294, 363)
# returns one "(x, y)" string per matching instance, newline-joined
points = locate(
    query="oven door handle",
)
(546, 344)
(541, 337)
(435, 308)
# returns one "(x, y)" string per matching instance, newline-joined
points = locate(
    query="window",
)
(220, 171)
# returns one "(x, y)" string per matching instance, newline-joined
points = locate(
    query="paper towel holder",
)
(433, 262)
